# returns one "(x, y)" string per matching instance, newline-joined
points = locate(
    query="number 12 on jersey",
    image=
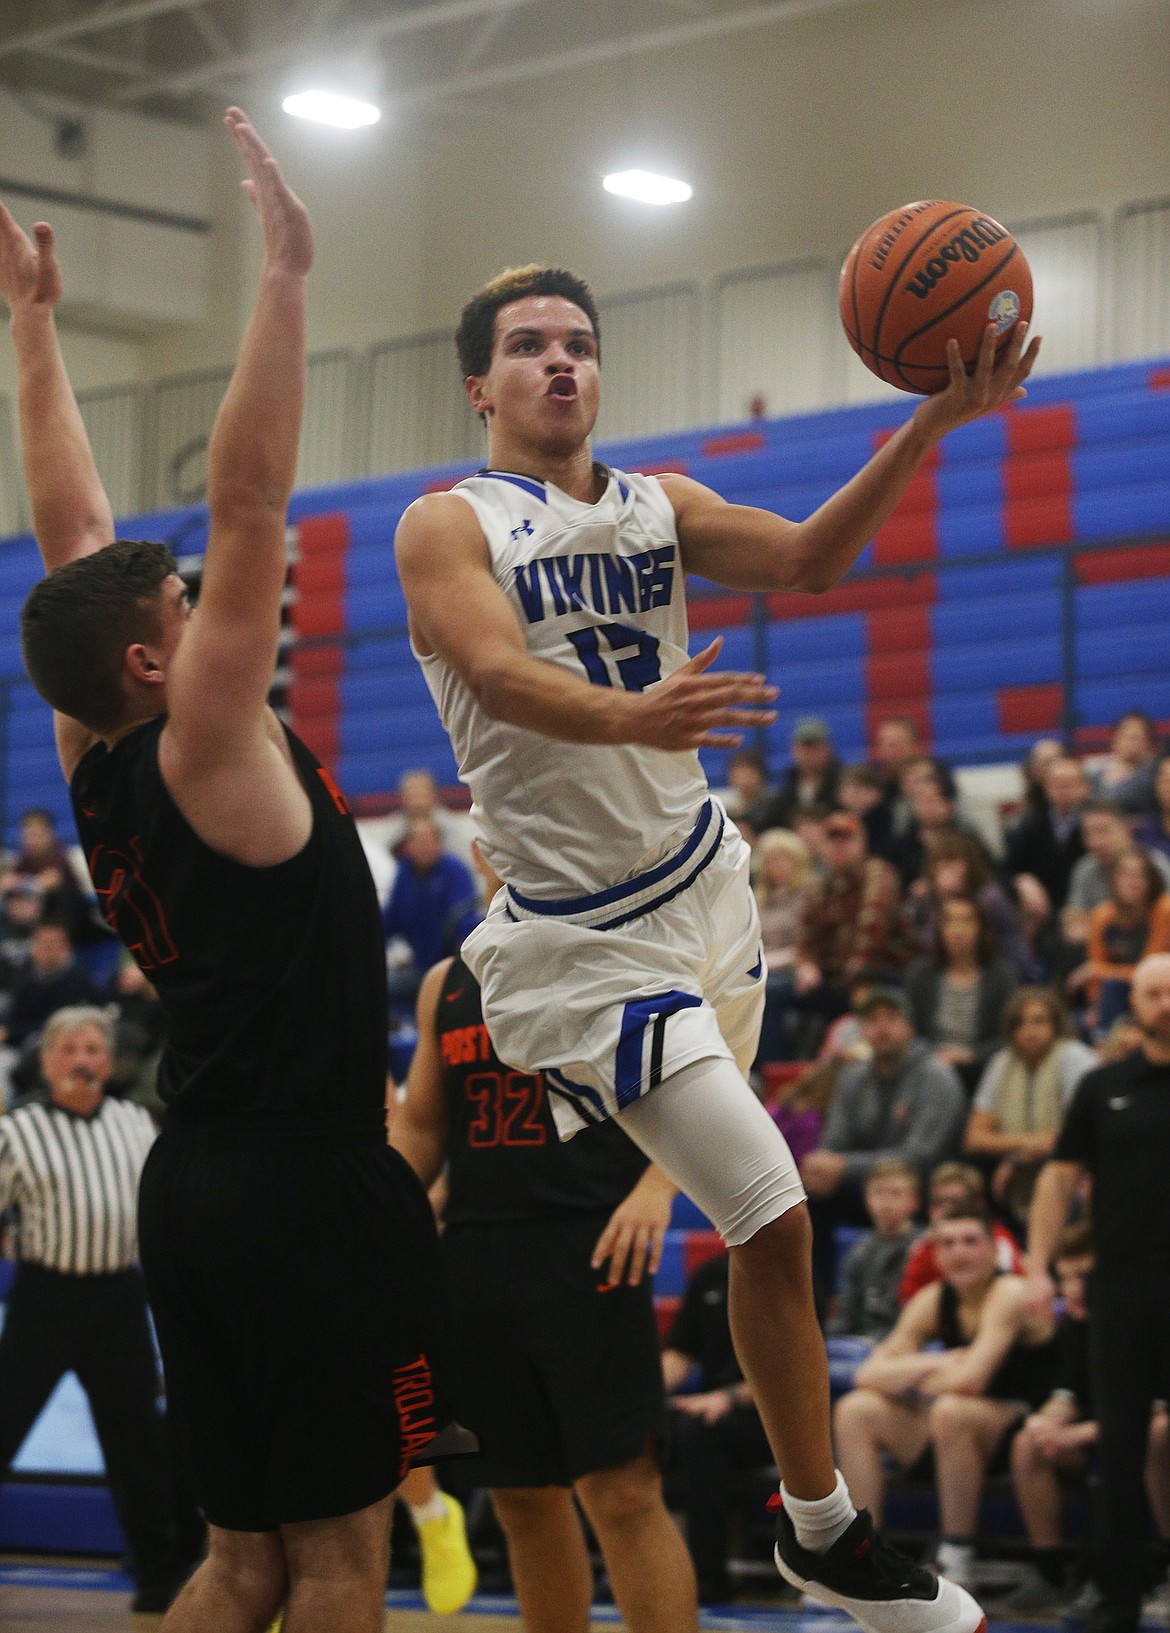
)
(636, 669)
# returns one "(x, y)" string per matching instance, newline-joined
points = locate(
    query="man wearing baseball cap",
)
(903, 1102)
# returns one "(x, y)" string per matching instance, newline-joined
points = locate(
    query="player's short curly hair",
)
(476, 333)
(78, 621)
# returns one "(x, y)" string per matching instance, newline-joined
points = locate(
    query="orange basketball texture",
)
(922, 274)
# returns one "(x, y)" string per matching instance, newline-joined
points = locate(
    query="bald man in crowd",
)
(1117, 1132)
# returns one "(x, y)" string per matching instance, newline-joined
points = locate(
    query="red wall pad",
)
(323, 533)
(901, 674)
(1047, 520)
(1047, 428)
(1120, 566)
(321, 614)
(719, 611)
(314, 699)
(309, 662)
(899, 629)
(700, 1246)
(319, 571)
(320, 737)
(873, 596)
(666, 467)
(907, 538)
(1029, 708)
(734, 442)
(1159, 380)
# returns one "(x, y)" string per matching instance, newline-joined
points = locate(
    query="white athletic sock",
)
(820, 1521)
(955, 1558)
(433, 1509)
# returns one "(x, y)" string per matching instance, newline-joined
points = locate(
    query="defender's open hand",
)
(288, 235)
(29, 274)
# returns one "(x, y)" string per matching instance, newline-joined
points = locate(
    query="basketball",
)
(922, 274)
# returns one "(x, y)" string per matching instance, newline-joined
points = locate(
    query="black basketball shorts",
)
(293, 1281)
(558, 1375)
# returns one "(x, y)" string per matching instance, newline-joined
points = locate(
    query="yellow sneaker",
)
(448, 1570)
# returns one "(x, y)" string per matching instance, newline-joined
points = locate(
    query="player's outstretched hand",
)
(992, 385)
(29, 274)
(288, 235)
(692, 709)
(634, 1237)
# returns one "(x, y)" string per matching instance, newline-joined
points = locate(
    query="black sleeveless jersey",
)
(1026, 1373)
(272, 979)
(506, 1162)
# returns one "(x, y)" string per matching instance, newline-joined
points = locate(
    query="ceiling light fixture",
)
(327, 108)
(647, 188)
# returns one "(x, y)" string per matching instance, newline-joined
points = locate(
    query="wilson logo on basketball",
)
(967, 245)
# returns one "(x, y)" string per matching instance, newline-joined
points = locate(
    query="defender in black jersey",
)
(555, 1362)
(289, 1255)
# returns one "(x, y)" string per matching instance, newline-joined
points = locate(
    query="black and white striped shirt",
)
(74, 1181)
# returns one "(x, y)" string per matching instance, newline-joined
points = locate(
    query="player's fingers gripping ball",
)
(922, 274)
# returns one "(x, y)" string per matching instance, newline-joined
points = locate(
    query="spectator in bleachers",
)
(716, 1430)
(956, 866)
(867, 1303)
(1046, 843)
(809, 781)
(1154, 830)
(954, 1185)
(418, 796)
(1023, 1094)
(903, 1102)
(20, 913)
(53, 979)
(933, 796)
(1058, 1442)
(958, 992)
(783, 882)
(896, 744)
(800, 1108)
(1034, 771)
(1126, 776)
(1106, 835)
(853, 918)
(433, 906)
(45, 860)
(962, 1401)
(1134, 922)
(1122, 1038)
(747, 780)
(861, 789)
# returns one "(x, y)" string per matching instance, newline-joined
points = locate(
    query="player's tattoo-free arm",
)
(1047, 1217)
(459, 611)
(897, 1363)
(71, 514)
(744, 548)
(633, 1239)
(223, 671)
(420, 1127)
(970, 1370)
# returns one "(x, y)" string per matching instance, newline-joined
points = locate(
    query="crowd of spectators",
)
(937, 990)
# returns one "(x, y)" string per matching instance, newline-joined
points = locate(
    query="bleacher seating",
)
(970, 636)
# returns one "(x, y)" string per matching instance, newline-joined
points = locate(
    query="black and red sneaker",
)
(880, 1588)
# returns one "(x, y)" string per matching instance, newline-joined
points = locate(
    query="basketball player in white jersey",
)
(622, 958)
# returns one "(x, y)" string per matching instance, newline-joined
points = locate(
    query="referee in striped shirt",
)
(70, 1167)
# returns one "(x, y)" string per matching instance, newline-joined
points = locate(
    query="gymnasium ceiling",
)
(179, 59)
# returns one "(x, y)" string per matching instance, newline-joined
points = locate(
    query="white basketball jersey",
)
(599, 590)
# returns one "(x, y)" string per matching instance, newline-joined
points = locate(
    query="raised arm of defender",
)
(71, 514)
(223, 754)
(459, 611)
(748, 549)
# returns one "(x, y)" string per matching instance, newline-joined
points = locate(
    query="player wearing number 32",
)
(622, 957)
(554, 1351)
